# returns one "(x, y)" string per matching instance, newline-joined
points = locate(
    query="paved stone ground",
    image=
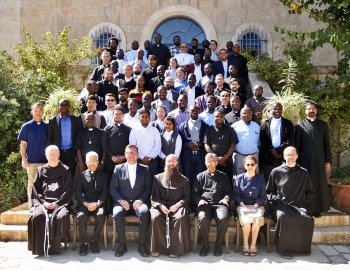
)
(15, 256)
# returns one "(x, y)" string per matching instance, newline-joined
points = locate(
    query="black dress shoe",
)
(204, 251)
(121, 250)
(94, 247)
(83, 250)
(317, 215)
(144, 252)
(217, 250)
(287, 256)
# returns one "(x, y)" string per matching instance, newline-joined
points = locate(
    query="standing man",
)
(222, 66)
(276, 134)
(115, 69)
(221, 139)
(110, 102)
(92, 88)
(91, 191)
(107, 85)
(151, 71)
(229, 47)
(123, 96)
(234, 74)
(201, 101)
(33, 136)
(192, 91)
(97, 74)
(146, 46)
(155, 82)
(160, 51)
(131, 189)
(248, 134)
(208, 115)
(208, 70)
(197, 68)
(132, 54)
(170, 105)
(235, 114)
(256, 103)
(180, 114)
(184, 59)
(148, 141)
(62, 132)
(193, 152)
(146, 102)
(140, 59)
(235, 87)
(131, 119)
(194, 49)
(91, 104)
(313, 145)
(128, 81)
(112, 47)
(240, 62)
(289, 192)
(212, 193)
(175, 49)
(121, 61)
(171, 94)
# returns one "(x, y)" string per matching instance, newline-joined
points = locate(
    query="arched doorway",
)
(184, 27)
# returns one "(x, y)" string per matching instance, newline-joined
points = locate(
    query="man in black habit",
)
(91, 190)
(289, 191)
(212, 193)
(131, 189)
(313, 145)
(52, 195)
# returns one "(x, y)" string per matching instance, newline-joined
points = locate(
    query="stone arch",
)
(174, 11)
(239, 30)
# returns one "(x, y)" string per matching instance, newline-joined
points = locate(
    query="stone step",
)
(20, 215)
(322, 235)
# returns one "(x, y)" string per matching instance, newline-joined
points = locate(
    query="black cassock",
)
(51, 184)
(314, 150)
(288, 190)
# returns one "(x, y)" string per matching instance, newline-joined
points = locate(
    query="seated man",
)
(212, 193)
(289, 191)
(131, 189)
(91, 190)
(52, 196)
(170, 224)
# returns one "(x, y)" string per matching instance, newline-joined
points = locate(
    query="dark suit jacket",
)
(85, 189)
(97, 73)
(120, 188)
(186, 136)
(198, 91)
(54, 133)
(218, 68)
(154, 83)
(287, 139)
(175, 95)
(105, 87)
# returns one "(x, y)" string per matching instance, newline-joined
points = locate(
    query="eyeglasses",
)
(130, 153)
(250, 165)
(110, 100)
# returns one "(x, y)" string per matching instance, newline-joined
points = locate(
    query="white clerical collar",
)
(311, 119)
(194, 121)
(128, 79)
(132, 166)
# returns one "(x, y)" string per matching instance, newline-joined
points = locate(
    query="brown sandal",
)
(252, 251)
(155, 254)
(245, 251)
(173, 255)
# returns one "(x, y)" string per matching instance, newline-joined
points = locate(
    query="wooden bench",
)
(127, 219)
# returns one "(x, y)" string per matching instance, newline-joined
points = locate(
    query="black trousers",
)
(83, 215)
(206, 213)
(68, 158)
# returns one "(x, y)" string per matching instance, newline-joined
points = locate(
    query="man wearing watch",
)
(91, 191)
(131, 189)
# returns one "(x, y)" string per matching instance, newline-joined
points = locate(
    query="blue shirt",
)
(207, 117)
(250, 191)
(248, 137)
(178, 85)
(35, 135)
(66, 132)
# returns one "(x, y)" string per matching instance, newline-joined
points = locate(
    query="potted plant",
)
(339, 188)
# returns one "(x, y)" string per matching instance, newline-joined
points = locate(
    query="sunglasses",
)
(250, 165)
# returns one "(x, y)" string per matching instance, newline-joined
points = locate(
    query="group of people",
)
(162, 151)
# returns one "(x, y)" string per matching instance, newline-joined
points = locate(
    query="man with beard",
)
(141, 59)
(106, 85)
(257, 103)
(313, 145)
(170, 105)
(276, 134)
(175, 49)
(92, 88)
(211, 194)
(248, 134)
(155, 82)
(289, 192)
(131, 188)
(132, 54)
(234, 74)
(170, 225)
(136, 71)
(97, 74)
(222, 66)
(151, 71)
(208, 115)
(208, 70)
(207, 57)
(123, 96)
(235, 87)
(115, 70)
(192, 91)
(194, 49)
(220, 84)
(234, 115)
(180, 114)
(146, 46)
(52, 196)
(240, 62)
(221, 139)
(193, 152)
(112, 47)
(160, 51)
(201, 101)
(89, 139)
(205, 44)
(171, 94)
(91, 191)
(229, 47)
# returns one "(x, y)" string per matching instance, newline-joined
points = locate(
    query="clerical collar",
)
(91, 172)
(128, 79)
(38, 123)
(130, 165)
(194, 121)
(211, 173)
(90, 129)
(310, 119)
(117, 124)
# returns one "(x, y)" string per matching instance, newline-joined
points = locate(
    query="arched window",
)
(103, 39)
(254, 39)
(185, 28)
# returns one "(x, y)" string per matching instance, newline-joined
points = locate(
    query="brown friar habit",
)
(288, 190)
(168, 194)
(51, 184)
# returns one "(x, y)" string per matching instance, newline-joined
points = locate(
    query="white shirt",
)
(198, 72)
(121, 63)
(275, 130)
(169, 95)
(147, 141)
(132, 121)
(191, 96)
(108, 114)
(132, 56)
(178, 144)
(132, 174)
(207, 117)
(184, 59)
(225, 65)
